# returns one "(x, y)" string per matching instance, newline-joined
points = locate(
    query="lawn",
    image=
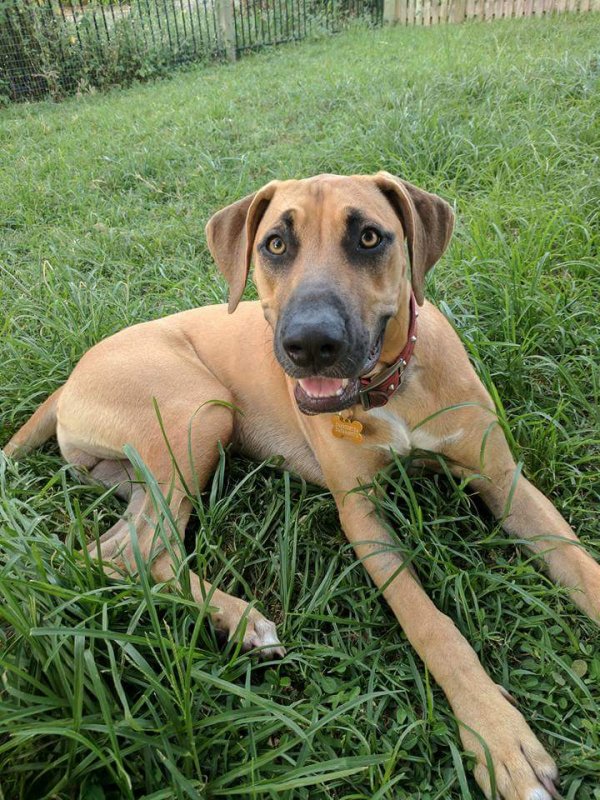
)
(121, 690)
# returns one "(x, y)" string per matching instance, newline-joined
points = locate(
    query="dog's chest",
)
(384, 429)
(264, 437)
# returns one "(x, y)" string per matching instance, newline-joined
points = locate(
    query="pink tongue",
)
(321, 387)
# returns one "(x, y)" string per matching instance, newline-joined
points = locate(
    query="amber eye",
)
(369, 238)
(276, 245)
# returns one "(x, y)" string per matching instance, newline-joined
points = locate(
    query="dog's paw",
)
(522, 769)
(261, 634)
(256, 632)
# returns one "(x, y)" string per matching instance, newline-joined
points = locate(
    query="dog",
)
(340, 363)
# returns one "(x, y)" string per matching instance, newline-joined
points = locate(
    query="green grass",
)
(120, 690)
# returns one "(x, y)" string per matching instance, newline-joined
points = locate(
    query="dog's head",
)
(329, 266)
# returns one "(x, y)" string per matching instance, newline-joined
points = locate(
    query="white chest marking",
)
(402, 440)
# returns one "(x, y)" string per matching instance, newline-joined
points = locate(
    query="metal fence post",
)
(227, 27)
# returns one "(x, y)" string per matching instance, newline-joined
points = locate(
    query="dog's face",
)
(330, 266)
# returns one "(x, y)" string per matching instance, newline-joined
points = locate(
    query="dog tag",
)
(344, 427)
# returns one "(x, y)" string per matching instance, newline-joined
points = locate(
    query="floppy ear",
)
(427, 220)
(230, 235)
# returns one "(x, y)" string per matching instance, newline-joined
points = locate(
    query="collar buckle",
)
(382, 386)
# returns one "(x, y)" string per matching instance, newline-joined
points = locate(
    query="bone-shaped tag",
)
(347, 429)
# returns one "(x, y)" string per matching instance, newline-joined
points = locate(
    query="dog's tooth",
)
(305, 388)
(344, 384)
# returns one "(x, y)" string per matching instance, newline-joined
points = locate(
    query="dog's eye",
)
(275, 245)
(369, 238)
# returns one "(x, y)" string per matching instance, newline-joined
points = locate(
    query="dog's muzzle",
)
(338, 389)
(324, 347)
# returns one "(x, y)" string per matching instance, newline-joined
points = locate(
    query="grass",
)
(120, 690)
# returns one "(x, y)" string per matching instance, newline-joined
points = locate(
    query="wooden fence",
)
(433, 12)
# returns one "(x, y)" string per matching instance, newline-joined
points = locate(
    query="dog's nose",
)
(314, 345)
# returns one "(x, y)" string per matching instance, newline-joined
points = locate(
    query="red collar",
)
(377, 390)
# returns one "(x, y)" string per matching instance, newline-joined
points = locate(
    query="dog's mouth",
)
(320, 394)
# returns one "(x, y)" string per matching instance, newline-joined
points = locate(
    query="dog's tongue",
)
(322, 387)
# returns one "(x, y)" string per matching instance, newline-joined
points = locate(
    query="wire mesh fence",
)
(262, 22)
(57, 47)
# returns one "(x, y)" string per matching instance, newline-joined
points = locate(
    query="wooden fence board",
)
(458, 11)
(426, 12)
(389, 11)
(401, 12)
(433, 12)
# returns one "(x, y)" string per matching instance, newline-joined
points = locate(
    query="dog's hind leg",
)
(181, 453)
(231, 616)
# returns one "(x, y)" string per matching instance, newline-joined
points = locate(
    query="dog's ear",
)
(230, 235)
(427, 220)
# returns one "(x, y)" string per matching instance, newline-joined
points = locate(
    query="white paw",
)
(261, 634)
(257, 632)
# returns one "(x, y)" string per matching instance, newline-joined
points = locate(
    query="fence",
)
(433, 12)
(56, 47)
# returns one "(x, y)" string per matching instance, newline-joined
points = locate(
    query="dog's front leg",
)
(487, 720)
(527, 514)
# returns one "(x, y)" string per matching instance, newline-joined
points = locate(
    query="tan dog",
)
(340, 317)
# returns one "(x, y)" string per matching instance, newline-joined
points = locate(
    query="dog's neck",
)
(378, 389)
(396, 332)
